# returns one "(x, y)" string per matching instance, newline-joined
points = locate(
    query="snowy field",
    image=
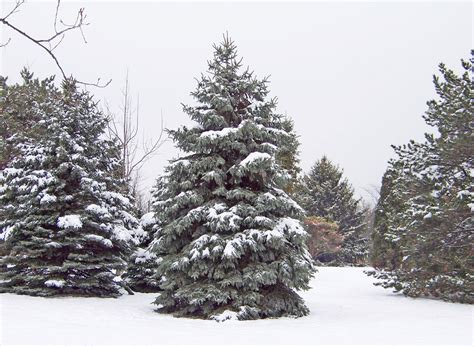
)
(345, 309)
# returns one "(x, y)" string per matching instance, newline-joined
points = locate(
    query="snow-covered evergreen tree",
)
(430, 201)
(141, 274)
(230, 243)
(325, 193)
(67, 227)
(17, 114)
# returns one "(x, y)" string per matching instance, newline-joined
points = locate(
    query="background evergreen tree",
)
(287, 156)
(141, 274)
(385, 251)
(325, 193)
(18, 114)
(230, 242)
(433, 196)
(66, 227)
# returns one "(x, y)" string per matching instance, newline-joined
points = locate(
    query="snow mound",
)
(255, 156)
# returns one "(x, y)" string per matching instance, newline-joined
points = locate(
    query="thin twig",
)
(46, 44)
(18, 3)
(6, 43)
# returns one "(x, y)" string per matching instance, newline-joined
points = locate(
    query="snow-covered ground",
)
(345, 309)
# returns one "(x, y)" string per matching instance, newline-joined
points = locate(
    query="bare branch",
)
(82, 34)
(18, 3)
(135, 151)
(45, 44)
(6, 43)
(137, 112)
(116, 132)
(57, 44)
(78, 24)
(149, 152)
(373, 192)
(58, 3)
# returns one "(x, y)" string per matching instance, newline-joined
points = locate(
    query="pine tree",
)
(430, 202)
(67, 227)
(230, 242)
(325, 193)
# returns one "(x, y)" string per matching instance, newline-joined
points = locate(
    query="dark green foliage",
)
(18, 114)
(287, 157)
(230, 243)
(325, 193)
(66, 228)
(385, 252)
(424, 232)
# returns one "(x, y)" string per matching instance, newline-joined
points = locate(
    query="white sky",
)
(354, 76)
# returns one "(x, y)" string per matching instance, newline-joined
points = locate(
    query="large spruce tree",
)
(230, 242)
(66, 224)
(426, 212)
(326, 193)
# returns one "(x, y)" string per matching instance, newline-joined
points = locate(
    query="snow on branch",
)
(70, 221)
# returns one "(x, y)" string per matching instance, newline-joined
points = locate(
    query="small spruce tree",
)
(230, 242)
(287, 156)
(140, 275)
(67, 227)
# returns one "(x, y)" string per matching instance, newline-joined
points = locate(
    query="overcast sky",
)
(354, 76)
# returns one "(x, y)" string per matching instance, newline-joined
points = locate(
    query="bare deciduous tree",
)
(370, 206)
(50, 43)
(136, 149)
(373, 192)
